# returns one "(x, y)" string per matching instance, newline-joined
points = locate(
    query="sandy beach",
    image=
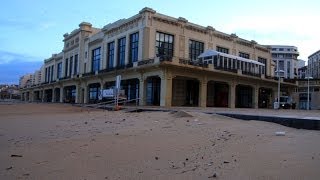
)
(60, 141)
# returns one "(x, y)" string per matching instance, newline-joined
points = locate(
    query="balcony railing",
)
(193, 63)
(145, 62)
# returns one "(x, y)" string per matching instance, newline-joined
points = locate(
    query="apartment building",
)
(287, 59)
(157, 57)
(314, 65)
(25, 80)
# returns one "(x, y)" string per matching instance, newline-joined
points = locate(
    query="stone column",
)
(78, 94)
(203, 93)
(166, 91)
(142, 94)
(61, 94)
(126, 61)
(42, 95)
(85, 94)
(256, 97)
(232, 95)
(53, 95)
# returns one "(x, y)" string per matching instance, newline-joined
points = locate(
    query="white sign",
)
(107, 92)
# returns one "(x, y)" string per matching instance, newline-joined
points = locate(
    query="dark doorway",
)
(37, 96)
(57, 94)
(94, 90)
(48, 95)
(70, 94)
(185, 92)
(244, 96)
(265, 98)
(131, 89)
(221, 94)
(153, 91)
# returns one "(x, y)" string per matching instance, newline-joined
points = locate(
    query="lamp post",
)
(308, 101)
(278, 71)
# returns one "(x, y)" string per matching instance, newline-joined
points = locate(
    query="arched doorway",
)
(185, 91)
(94, 90)
(244, 95)
(153, 91)
(217, 94)
(69, 94)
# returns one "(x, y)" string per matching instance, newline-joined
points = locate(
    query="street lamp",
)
(308, 101)
(278, 71)
(281, 71)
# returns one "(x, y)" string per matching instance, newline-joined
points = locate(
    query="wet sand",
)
(58, 141)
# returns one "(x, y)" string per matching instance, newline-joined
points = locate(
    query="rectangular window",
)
(263, 61)
(75, 70)
(51, 78)
(134, 45)
(121, 52)
(195, 49)
(164, 45)
(110, 55)
(244, 55)
(281, 65)
(71, 66)
(48, 78)
(66, 68)
(223, 50)
(59, 70)
(46, 75)
(288, 69)
(96, 59)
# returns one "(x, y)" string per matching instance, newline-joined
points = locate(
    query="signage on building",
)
(105, 93)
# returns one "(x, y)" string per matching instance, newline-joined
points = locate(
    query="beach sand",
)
(60, 141)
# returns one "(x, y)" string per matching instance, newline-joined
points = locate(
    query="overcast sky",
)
(32, 30)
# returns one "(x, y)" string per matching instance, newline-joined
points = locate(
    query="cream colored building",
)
(25, 81)
(156, 56)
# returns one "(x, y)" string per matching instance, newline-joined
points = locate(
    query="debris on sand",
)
(8, 168)
(280, 133)
(181, 114)
(213, 176)
(16, 155)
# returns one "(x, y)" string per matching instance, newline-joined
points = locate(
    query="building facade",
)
(314, 65)
(26, 80)
(157, 58)
(302, 72)
(286, 57)
(301, 94)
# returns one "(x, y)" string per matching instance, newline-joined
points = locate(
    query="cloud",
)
(13, 65)
(297, 29)
(8, 57)
(47, 25)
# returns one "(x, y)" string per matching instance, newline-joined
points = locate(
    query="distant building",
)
(37, 77)
(25, 80)
(301, 63)
(300, 95)
(302, 72)
(314, 65)
(9, 92)
(286, 56)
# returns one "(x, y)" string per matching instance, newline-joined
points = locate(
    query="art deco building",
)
(157, 57)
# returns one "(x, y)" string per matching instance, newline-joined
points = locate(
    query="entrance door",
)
(153, 91)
